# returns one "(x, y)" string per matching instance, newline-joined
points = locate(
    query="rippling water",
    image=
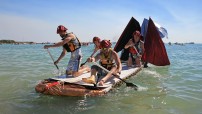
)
(174, 89)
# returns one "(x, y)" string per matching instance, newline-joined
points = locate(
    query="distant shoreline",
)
(14, 42)
(82, 43)
(29, 42)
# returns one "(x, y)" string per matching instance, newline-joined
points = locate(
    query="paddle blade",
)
(132, 85)
(82, 64)
(57, 67)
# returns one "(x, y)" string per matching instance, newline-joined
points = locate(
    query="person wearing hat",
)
(136, 49)
(70, 44)
(109, 59)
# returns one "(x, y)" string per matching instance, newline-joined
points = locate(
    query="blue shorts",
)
(74, 62)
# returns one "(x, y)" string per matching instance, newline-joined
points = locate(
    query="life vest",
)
(107, 61)
(136, 48)
(72, 45)
(133, 50)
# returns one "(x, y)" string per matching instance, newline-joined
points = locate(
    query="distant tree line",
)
(13, 42)
(7, 41)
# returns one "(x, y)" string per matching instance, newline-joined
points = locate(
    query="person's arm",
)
(66, 40)
(94, 59)
(128, 44)
(54, 45)
(61, 56)
(118, 62)
(95, 50)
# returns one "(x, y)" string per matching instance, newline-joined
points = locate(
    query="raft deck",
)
(74, 86)
(108, 85)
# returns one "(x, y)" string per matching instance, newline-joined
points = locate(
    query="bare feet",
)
(90, 80)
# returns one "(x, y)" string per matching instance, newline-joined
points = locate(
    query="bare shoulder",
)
(71, 35)
(114, 53)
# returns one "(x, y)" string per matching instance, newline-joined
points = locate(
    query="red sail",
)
(155, 52)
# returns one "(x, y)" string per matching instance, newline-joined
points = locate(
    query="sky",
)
(37, 20)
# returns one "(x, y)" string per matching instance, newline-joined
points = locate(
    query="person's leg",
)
(81, 71)
(84, 69)
(129, 62)
(69, 68)
(91, 79)
(137, 62)
(76, 60)
(109, 75)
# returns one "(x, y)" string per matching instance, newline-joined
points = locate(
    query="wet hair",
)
(96, 39)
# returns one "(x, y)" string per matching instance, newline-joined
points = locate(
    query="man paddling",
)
(71, 44)
(109, 59)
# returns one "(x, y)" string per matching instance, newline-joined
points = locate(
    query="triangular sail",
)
(162, 31)
(144, 28)
(155, 52)
(126, 35)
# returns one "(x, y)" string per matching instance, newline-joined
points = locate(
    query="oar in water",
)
(52, 59)
(117, 76)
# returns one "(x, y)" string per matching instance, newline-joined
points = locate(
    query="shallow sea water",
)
(174, 89)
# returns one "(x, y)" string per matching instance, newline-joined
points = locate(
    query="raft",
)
(74, 86)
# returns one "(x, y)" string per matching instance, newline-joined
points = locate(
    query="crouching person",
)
(136, 49)
(109, 59)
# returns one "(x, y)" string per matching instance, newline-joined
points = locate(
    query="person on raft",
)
(136, 49)
(71, 44)
(109, 59)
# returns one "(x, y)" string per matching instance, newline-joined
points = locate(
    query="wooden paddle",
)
(117, 76)
(52, 59)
